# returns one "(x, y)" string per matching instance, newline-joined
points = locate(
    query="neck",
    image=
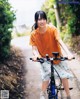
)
(42, 29)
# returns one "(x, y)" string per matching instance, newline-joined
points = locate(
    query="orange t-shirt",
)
(47, 42)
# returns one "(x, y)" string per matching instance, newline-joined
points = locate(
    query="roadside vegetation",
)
(12, 71)
(12, 74)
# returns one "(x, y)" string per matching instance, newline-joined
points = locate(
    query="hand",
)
(70, 57)
(36, 57)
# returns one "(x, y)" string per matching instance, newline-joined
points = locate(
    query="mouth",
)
(41, 24)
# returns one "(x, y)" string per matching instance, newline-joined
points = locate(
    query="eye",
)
(39, 19)
(44, 19)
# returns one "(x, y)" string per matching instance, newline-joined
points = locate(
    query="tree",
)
(7, 16)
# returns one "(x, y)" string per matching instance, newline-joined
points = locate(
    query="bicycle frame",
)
(52, 90)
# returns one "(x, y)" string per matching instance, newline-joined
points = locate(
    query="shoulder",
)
(54, 31)
(33, 33)
(51, 27)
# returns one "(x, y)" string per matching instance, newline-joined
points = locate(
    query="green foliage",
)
(69, 15)
(48, 8)
(7, 17)
(75, 19)
(51, 16)
(71, 25)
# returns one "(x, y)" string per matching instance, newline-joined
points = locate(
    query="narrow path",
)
(32, 77)
(33, 80)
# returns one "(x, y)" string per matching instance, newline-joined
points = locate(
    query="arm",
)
(35, 52)
(62, 45)
(69, 54)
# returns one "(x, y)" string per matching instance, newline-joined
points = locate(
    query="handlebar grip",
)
(73, 58)
(41, 60)
(38, 58)
(31, 59)
(65, 58)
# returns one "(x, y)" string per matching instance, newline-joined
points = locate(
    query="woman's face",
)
(41, 23)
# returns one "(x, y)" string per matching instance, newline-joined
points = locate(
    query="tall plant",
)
(7, 16)
(74, 21)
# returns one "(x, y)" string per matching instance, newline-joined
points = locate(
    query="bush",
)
(75, 44)
(12, 74)
(7, 17)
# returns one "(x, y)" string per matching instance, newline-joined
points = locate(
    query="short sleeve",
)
(56, 34)
(32, 40)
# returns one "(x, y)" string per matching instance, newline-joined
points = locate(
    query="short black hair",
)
(39, 15)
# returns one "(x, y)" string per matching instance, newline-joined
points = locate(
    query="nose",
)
(42, 20)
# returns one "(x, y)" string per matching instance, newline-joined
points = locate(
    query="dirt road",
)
(33, 80)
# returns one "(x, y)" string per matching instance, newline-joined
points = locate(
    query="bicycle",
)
(52, 89)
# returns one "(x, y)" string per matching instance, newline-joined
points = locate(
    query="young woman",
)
(45, 39)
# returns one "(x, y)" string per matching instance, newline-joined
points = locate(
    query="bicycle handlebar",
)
(51, 59)
(42, 60)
